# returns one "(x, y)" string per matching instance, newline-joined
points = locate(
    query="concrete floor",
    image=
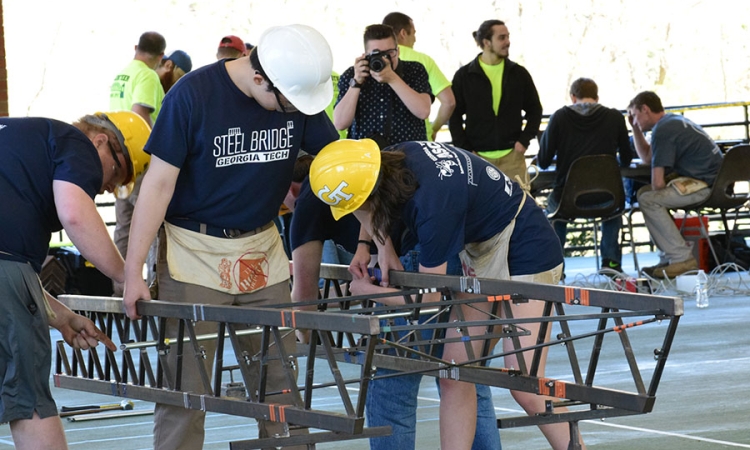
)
(703, 401)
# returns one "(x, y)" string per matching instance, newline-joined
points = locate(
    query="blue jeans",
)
(610, 237)
(333, 254)
(393, 401)
(610, 233)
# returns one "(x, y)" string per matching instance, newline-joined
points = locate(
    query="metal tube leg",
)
(575, 443)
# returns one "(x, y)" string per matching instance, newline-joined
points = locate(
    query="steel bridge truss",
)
(587, 324)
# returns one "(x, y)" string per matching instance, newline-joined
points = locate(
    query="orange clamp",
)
(276, 412)
(550, 387)
(577, 296)
(285, 318)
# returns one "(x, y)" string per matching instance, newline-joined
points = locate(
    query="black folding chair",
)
(593, 191)
(734, 168)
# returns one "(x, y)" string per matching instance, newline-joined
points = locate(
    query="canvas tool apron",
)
(489, 259)
(234, 266)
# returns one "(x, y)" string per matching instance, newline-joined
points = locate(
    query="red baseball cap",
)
(234, 42)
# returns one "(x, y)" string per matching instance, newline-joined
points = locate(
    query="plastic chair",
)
(593, 190)
(734, 168)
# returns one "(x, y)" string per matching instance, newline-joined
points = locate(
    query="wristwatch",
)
(353, 84)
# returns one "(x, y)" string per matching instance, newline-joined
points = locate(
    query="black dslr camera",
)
(376, 60)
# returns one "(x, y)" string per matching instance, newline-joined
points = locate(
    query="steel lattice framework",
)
(355, 330)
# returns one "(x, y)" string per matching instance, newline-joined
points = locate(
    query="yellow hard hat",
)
(344, 174)
(132, 133)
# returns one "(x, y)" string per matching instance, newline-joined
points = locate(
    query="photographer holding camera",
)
(381, 97)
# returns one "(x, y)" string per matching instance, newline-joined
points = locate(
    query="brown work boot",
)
(675, 269)
(651, 271)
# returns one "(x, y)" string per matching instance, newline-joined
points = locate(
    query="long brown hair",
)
(396, 185)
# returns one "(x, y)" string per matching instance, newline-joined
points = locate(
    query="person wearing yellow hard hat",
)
(131, 135)
(454, 202)
(50, 174)
(223, 151)
(391, 400)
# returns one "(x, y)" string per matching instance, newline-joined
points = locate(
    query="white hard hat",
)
(298, 61)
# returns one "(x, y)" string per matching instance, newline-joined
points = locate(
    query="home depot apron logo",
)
(250, 272)
(234, 266)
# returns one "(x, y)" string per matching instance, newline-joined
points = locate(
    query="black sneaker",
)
(609, 266)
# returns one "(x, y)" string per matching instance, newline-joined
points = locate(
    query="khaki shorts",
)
(25, 349)
(489, 259)
(513, 165)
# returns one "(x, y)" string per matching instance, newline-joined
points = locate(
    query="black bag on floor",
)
(66, 271)
(736, 252)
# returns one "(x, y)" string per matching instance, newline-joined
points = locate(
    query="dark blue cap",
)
(181, 60)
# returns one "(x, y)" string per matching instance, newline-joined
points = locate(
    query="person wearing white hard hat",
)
(223, 151)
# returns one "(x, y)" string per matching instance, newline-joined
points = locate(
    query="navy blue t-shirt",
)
(463, 199)
(35, 152)
(235, 157)
(312, 221)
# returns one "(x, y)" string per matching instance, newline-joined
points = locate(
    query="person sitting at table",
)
(684, 163)
(585, 128)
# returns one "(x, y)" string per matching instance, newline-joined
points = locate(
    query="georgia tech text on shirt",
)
(262, 146)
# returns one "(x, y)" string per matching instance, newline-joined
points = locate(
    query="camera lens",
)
(376, 61)
(377, 64)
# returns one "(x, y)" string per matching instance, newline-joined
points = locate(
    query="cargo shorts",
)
(25, 349)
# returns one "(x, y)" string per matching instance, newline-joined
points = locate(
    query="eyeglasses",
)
(284, 103)
(391, 52)
(117, 165)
